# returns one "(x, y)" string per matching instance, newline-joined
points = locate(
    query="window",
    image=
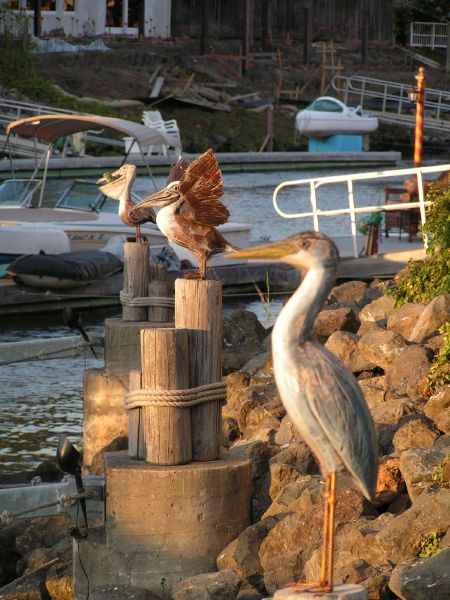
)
(11, 4)
(323, 105)
(114, 13)
(49, 5)
(69, 5)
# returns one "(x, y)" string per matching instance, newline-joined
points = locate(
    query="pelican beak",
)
(109, 177)
(165, 197)
(274, 251)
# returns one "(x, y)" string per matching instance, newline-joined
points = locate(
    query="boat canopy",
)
(48, 128)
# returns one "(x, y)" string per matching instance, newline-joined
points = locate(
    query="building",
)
(77, 18)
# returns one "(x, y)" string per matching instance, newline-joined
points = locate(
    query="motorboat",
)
(328, 116)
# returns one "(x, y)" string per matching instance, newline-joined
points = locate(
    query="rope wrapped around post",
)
(176, 398)
(128, 300)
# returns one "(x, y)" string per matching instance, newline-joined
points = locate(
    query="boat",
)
(64, 270)
(328, 116)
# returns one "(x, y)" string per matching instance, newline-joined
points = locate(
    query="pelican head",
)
(307, 249)
(164, 197)
(112, 184)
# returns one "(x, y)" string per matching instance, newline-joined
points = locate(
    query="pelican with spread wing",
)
(191, 208)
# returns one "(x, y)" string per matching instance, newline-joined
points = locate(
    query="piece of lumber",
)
(157, 87)
(135, 278)
(136, 443)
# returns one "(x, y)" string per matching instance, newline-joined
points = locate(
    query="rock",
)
(235, 381)
(267, 415)
(230, 431)
(379, 310)
(374, 390)
(390, 482)
(250, 593)
(408, 372)
(348, 292)
(438, 408)
(98, 462)
(405, 318)
(287, 433)
(417, 466)
(48, 471)
(414, 432)
(59, 582)
(344, 345)
(42, 532)
(442, 442)
(385, 433)
(391, 412)
(435, 314)
(223, 585)
(381, 347)
(246, 399)
(36, 558)
(290, 494)
(118, 592)
(243, 336)
(330, 320)
(297, 455)
(423, 579)
(28, 587)
(399, 504)
(368, 326)
(241, 555)
(280, 475)
(259, 368)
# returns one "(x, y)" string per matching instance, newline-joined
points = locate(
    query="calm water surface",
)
(41, 400)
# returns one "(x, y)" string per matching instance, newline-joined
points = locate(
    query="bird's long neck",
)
(124, 199)
(296, 320)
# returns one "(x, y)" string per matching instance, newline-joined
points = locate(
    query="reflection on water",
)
(41, 400)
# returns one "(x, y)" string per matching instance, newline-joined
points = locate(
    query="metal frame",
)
(352, 210)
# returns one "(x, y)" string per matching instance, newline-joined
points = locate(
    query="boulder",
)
(368, 326)
(435, 314)
(243, 336)
(442, 443)
(344, 345)
(417, 466)
(288, 499)
(391, 412)
(333, 319)
(117, 592)
(297, 455)
(374, 390)
(405, 318)
(280, 475)
(378, 311)
(414, 432)
(381, 347)
(223, 585)
(241, 555)
(408, 373)
(28, 587)
(438, 408)
(59, 583)
(385, 433)
(236, 382)
(349, 292)
(287, 433)
(423, 579)
(390, 482)
(259, 368)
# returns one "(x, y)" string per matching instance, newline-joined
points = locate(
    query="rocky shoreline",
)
(397, 547)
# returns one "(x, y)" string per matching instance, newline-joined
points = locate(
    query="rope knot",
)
(176, 398)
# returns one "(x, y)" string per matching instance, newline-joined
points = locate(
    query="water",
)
(41, 400)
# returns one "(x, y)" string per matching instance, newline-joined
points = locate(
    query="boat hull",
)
(322, 125)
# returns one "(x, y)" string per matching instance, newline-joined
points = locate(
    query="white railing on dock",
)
(352, 210)
(428, 35)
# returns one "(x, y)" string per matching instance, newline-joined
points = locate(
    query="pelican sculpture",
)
(117, 185)
(191, 209)
(321, 396)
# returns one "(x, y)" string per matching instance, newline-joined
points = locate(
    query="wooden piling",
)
(136, 443)
(159, 314)
(198, 308)
(165, 366)
(135, 278)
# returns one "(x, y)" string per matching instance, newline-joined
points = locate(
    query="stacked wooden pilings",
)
(173, 501)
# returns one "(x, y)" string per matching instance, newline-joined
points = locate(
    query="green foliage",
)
(438, 473)
(426, 279)
(429, 546)
(439, 373)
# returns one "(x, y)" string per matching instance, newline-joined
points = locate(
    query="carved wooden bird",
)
(191, 209)
(117, 185)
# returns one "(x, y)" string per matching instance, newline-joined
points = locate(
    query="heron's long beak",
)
(274, 251)
(162, 198)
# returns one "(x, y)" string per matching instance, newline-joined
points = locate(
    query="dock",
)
(237, 162)
(236, 279)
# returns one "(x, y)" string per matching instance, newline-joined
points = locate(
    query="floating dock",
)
(233, 162)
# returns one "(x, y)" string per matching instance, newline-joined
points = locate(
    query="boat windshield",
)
(85, 195)
(325, 105)
(20, 192)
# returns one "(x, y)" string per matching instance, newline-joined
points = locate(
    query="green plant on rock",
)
(438, 472)
(429, 546)
(426, 279)
(439, 372)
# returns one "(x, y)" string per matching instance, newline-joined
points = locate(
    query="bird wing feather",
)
(202, 186)
(178, 170)
(142, 214)
(342, 413)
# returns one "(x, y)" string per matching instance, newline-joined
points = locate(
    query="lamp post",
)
(417, 95)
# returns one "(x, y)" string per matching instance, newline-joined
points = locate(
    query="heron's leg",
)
(326, 534)
(331, 509)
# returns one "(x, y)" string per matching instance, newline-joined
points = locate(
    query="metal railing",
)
(428, 35)
(352, 210)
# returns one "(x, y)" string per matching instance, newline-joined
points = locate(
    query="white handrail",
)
(315, 182)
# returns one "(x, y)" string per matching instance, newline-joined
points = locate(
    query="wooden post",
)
(159, 314)
(135, 278)
(198, 307)
(165, 366)
(136, 443)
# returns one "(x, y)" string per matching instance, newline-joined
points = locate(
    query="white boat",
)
(328, 116)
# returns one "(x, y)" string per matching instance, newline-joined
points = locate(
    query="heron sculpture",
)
(191, 209)
(321, 396)
(117, 185)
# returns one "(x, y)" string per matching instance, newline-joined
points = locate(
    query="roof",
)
(49, 128)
